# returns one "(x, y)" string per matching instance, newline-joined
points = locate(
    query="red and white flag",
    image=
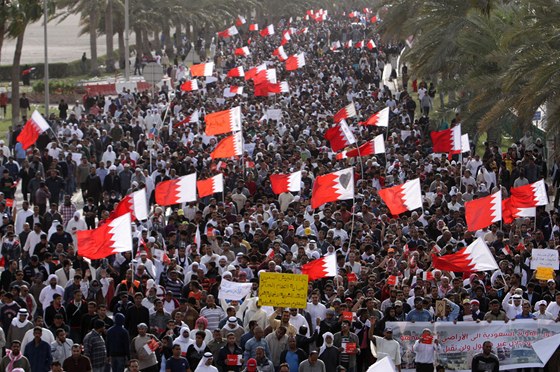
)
(242, 52)
(229, 147)
(236, 72)
(134, 203)
(202, 69)
(232, 91)
(31, 131)
(296, 61)
(280, 53)
(402, 198)
(254, 27)
(333, 187)
(324, 267)
(360, 44)
(428, 276)
(210, 185)
(374, 19)
(223, 121)
(447, 141)
(252, 72)
(303, 31)
(353, 14)
(348, 44)
(375, 146)
(229, 32)
(476, 257)
(267, 31)
(380, 118)
(281, 87)
(108, 239)
(285, 37)
(240, 21)
(532, 195)
(265, 76)
(510, 212)
(177, 191)
(349, 111)
(340, 136)
(371, 44)
(189, 86)
(483, 212)
(335, 45)
(192, 118)
(281, 183)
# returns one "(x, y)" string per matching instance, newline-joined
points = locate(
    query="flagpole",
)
(361, 163)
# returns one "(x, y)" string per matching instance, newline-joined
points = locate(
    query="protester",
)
(148, 211)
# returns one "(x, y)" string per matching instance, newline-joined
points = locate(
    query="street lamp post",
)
(46, 64)
(126, 42)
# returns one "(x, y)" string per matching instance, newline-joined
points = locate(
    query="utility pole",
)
(126, 42)
(46, 64)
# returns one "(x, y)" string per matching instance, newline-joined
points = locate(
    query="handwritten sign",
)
(283, 290)
(234, 291)
(544, 258)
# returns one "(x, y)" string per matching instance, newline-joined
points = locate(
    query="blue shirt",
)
(177, 364)
(419, 316)
(293, 361)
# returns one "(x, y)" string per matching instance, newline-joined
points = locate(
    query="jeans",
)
(118, 363)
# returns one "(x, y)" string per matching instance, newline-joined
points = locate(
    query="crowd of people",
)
(148, 311)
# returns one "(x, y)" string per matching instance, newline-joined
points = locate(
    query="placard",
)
(544, 258)
(234, 291)
(274, 114)
(283, 290)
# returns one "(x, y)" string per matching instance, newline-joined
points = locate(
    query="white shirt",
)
(390, 348)
(510, 309)
(424, 352)
(74, 226)
(553, 308)
(21, 216)
(316, 311)
(32, 240)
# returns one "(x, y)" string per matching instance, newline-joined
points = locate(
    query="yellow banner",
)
(283, 290)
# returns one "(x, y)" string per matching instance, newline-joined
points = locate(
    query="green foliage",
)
(502, 58)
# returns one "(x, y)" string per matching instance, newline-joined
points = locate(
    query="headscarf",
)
(183, 341)
(203, 320)
(13, 359)
(325, 345)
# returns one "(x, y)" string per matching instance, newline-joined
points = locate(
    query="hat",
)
(23, 312)
(388, 329)
(550, 281)
(232, 319)
(291, 227)
(208, 354)
(418, 299)
(398, 303)
(516, 297)
(466, 301)
(252, 364)
(541, 302)
(349, 299)
(475, 302)
(142, 325)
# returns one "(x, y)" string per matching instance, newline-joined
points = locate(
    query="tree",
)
(21, 14)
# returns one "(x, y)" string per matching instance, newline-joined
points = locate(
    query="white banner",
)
(516, 343)
(234, 291)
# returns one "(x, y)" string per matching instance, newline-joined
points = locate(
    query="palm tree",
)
(21, 14)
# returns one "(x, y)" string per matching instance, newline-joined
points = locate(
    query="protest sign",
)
(513, 342)
(234, 291)
(544, 258)
(284, 290)
(274, 114)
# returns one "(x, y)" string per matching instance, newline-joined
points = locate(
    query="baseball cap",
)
(252, 364)
(388, 329)
(398, 303)
(142, 325)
